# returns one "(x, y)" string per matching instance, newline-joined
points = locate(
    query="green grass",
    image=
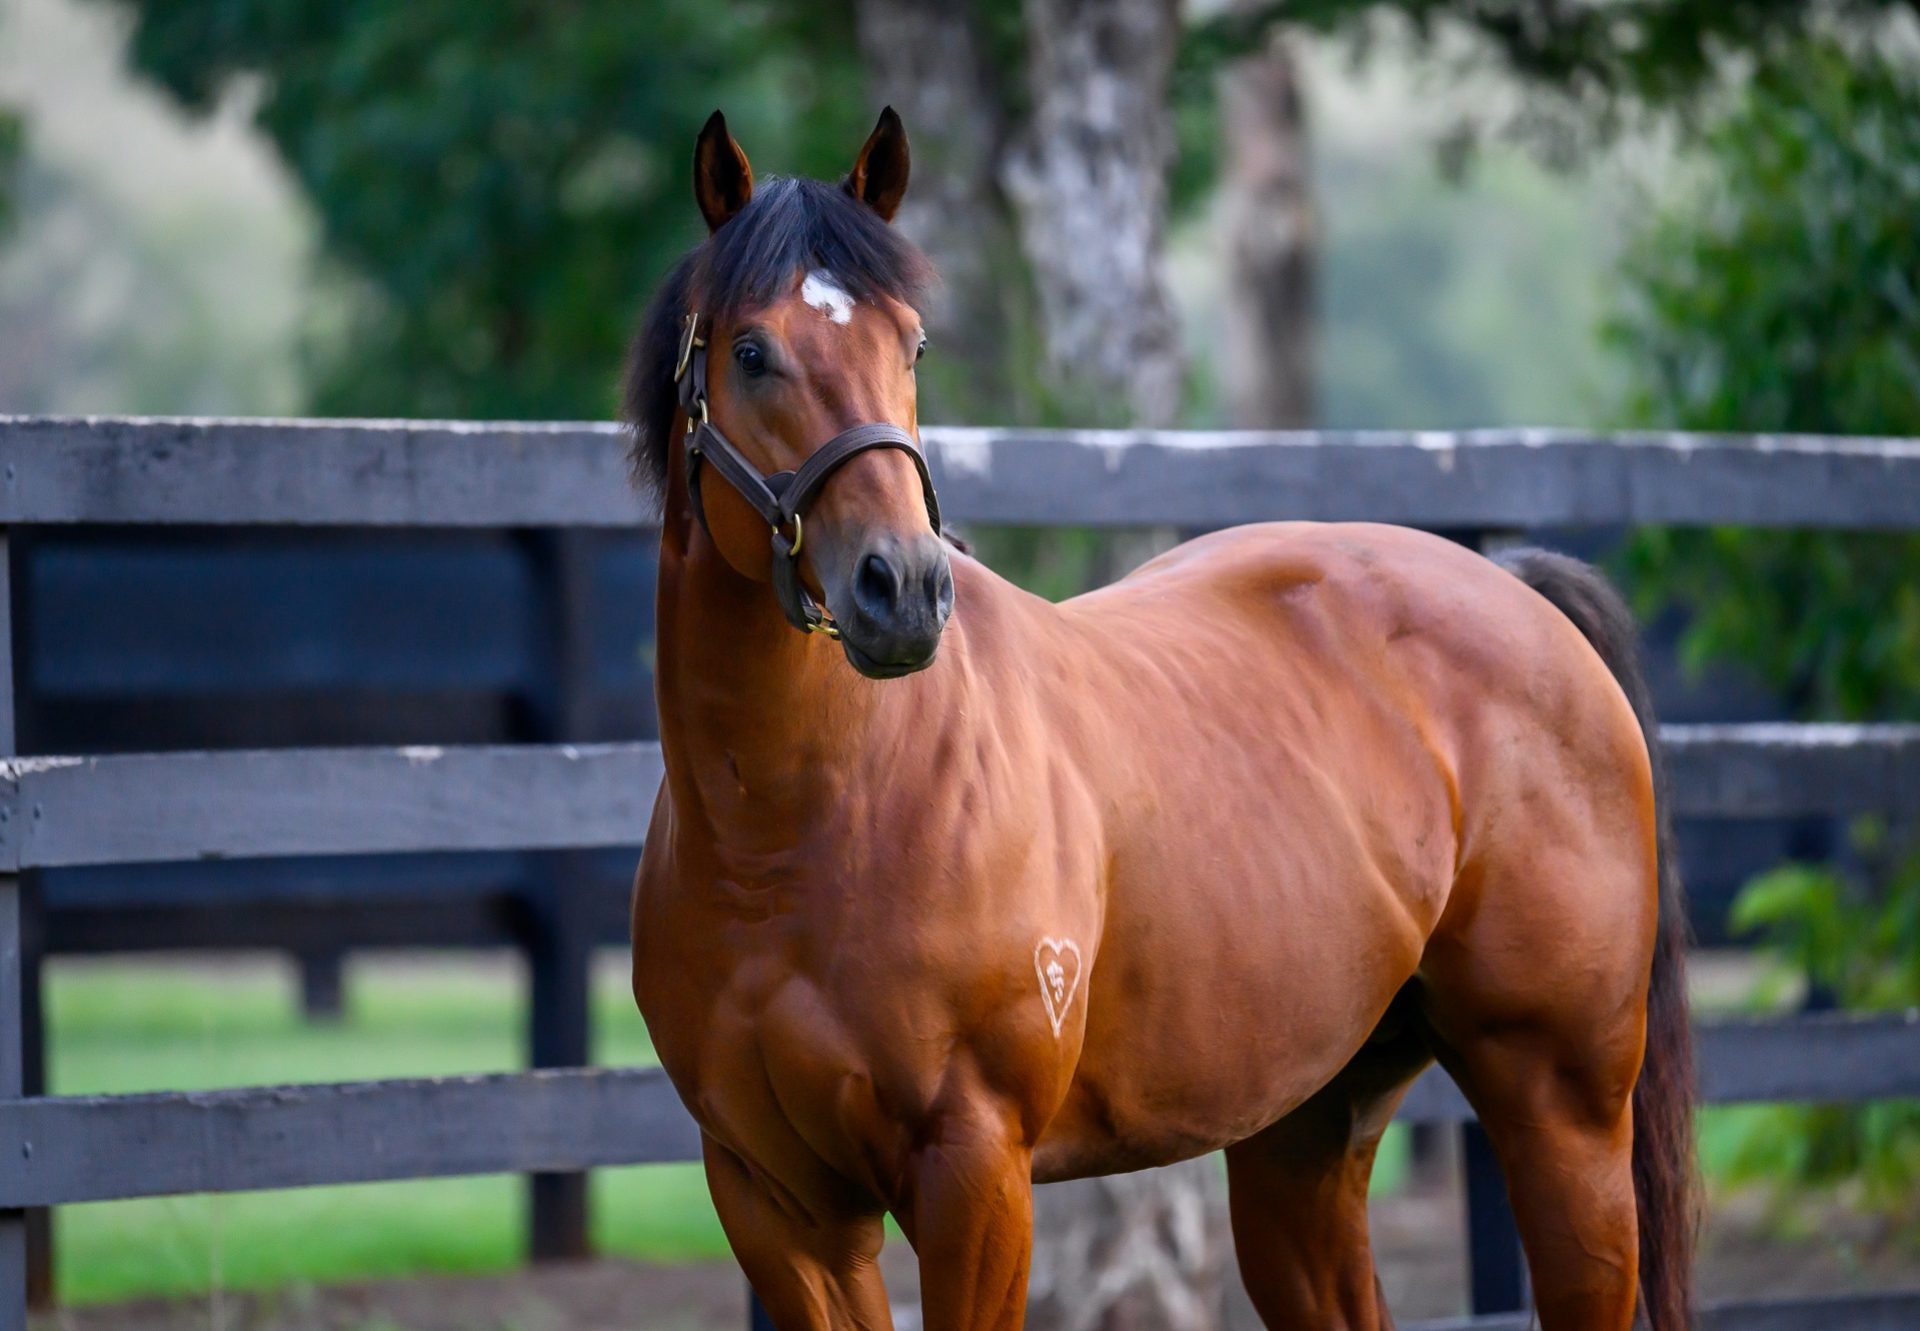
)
(1391, 1162)
(122, 1027)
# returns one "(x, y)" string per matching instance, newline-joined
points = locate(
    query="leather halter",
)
(781, 498)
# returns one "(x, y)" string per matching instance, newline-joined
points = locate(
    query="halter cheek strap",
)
(782, 498)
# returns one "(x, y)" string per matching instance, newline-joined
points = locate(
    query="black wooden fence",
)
(154, 808)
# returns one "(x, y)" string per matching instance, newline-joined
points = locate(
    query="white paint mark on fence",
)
(12, 769)
(968, 454)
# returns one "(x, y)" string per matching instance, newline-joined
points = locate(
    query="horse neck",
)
(756, 719)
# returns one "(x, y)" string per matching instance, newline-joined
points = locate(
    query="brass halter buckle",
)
(823, 624)
(689, 339)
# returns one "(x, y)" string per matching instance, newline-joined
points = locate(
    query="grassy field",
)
(121, 1026)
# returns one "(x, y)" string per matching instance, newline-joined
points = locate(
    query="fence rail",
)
(1897, 1310)
(144, 808)
(237, 804)
(466, 474)
(150, 808)
(100, 1148)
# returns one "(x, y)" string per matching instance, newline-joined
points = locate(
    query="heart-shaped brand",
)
(1056, 961)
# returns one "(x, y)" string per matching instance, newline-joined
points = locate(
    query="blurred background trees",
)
(1779, 290)
(496, 185)
(494, 188)
(12, 140)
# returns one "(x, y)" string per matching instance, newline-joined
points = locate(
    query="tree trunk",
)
(1133, 1252)
(1267, 235)
(926, 61)
(1088, 195)
(1088, 181)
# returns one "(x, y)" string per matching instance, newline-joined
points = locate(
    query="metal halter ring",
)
(799, 535)
(688, 341)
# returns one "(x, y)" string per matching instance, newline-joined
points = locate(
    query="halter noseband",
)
(781, 498)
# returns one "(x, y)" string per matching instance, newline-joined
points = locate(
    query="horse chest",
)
(804, 1042)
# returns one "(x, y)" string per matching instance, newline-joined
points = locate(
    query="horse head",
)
(795, 339)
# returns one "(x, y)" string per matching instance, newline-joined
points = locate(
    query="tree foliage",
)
(1782, 296)
(1593, 62)
(501, 184)
(1863, 949)
(13, 135)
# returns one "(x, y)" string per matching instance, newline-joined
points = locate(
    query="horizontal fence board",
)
(1448, 479)
(482, 474)
(135, 808)
(1830, 1058)
(315, 473)
(131, 808)
(78, 1149)
(74, 1149)
(452, 922)
(1771, 770)
(1881, 1310)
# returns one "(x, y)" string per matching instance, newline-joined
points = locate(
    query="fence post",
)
(33, 1073)
(559, 1035)
(1496, 1267)
(13, 1220)
(559, 940)
(323, 984)
(16, 584)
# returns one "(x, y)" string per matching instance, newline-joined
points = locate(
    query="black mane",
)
(788, 226)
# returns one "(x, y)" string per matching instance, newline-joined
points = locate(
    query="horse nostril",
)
(942, 581)
(876, 587)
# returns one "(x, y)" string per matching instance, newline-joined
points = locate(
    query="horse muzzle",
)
(893, 604)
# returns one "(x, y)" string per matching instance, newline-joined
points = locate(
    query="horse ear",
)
(722, 178)
(879, 175)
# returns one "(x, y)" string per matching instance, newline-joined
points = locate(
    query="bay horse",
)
(950, 890)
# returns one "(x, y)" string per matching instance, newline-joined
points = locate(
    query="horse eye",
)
(921, 350)
(752, 360)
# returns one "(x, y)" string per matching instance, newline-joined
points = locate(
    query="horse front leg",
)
(814, 1269)
(969, 1217)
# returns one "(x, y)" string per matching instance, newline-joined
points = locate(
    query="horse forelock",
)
(790, 226)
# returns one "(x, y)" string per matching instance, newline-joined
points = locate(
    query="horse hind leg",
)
(1565, 1146)
(1297, 1190)
(1541, 1022)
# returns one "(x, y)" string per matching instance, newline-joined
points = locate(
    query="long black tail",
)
(1663, 1100)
